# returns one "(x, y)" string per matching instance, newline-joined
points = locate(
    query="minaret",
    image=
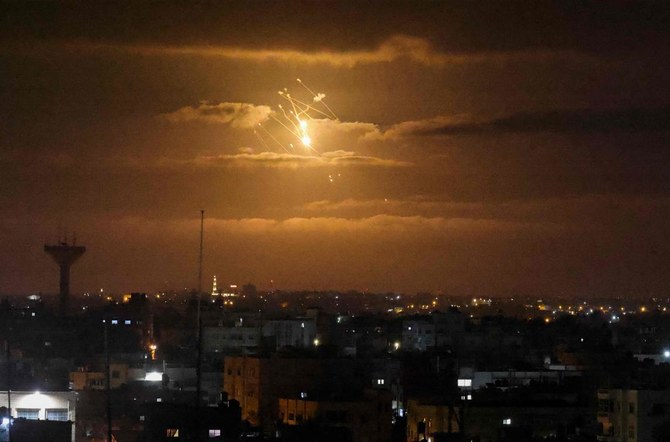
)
(65, 255)
(214, 290)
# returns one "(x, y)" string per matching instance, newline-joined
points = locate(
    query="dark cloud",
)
(456, 25)
(241, 115)
(393, 48)
(568, 121)
(291, 160)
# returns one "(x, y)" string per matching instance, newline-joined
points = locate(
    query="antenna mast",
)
(199, 318)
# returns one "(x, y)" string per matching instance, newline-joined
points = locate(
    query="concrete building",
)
(431, 331)
(86, 379)
(131, 325)
(52, 406)
(246, 336)
(25, 430)
(299, 332)
(165, 422)
(426, 418)
(470, 379)
(256, 382)
(230, 339)
(367, 418)
(633, 415)
(532, 421)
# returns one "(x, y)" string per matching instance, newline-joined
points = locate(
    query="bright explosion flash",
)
(294, 117)
(305, 138)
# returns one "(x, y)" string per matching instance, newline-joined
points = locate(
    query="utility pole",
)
(107, 384)
(9, 376)
(9, 382)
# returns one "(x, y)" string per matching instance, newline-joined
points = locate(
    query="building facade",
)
(257, 382)
(633, 415)
(367, 419)
(57, 406)
(431, 331)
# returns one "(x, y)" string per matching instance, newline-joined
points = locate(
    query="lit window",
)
(380, 381)
(507, 421)
(127, 322)
(465, 382)
(115, 321)
(172, 432)
(57, 414)
(214, 433)
(28, 413)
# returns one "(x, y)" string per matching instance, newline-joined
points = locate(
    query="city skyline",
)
(472, 148)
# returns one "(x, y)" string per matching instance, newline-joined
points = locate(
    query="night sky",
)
(480, 148)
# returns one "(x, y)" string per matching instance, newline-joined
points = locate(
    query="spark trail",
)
(294, 117)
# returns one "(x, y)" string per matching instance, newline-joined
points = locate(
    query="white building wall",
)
(62, 400)
(299, 332)
(223, 338)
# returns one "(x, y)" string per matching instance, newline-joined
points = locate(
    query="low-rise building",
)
(432, 331)
(230, 339)
(297, 332)
(425, 418)
(471, 379)
(57, 406)
(633, 415)
(367, 418)
(165, 422)
(91, 379)
(256, 382)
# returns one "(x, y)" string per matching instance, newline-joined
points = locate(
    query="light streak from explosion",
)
(295, 117)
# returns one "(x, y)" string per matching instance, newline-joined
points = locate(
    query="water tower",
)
(65, 255)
